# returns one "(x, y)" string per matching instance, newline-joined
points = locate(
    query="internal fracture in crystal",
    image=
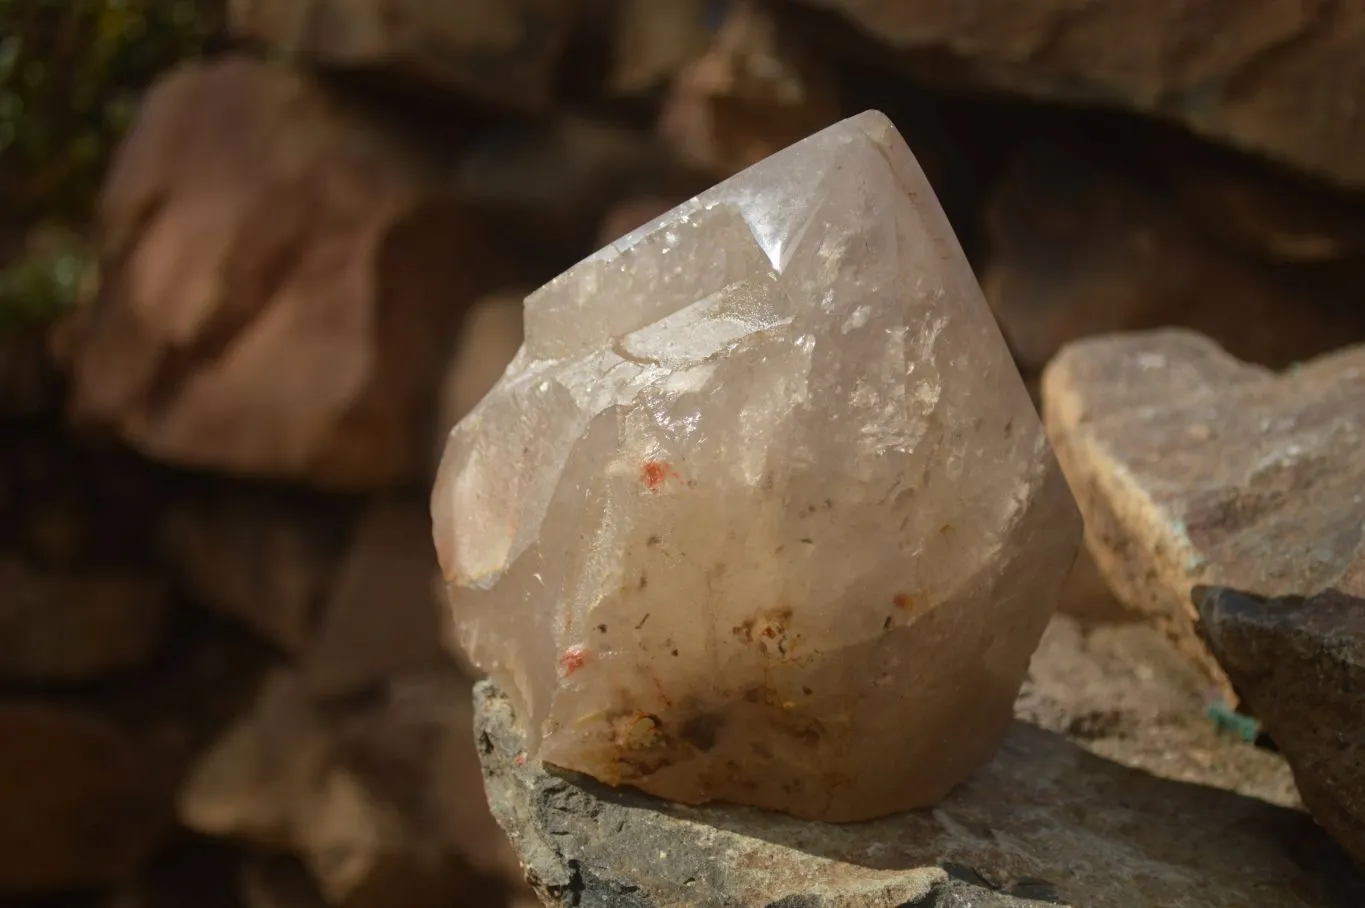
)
(762, 512)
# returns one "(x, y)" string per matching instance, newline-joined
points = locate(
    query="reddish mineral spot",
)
(654, 473)
(571, 660)
(904, 601)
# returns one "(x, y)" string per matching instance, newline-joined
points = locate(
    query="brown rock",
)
(755, 91)
(415, 746)
(60, 628)
(262, 771)
(654, 39)
(381, 618)
(1192, 467)
(267, 565)
(490, 337)
(1269, 215)
(254, 225)
(1277, 77)
(275, 780)
(549, 182)
(1300, 664)
(82, 801)
(1078, 250)
(350, 792)
(497, 51)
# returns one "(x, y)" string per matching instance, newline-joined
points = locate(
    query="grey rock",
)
(1300, 664)
(1045, 823)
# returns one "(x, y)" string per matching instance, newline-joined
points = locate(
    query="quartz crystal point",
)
(762, 512)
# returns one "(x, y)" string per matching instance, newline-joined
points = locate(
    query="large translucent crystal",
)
(762, 511)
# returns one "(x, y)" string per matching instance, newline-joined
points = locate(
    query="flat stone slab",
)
(1192, 467)
(1046, 822)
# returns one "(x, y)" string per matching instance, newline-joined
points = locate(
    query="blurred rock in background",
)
(258, 256)
(271, 261)
(500, 52)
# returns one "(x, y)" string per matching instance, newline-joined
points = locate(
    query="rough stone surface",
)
(253, 226)
(82, 800)
(498, 51)
(1044, 823)
(60, 628)
(1300, 664)
(755, 90)
(1192, 467)
(1079, 247)
(762, 475)
(1278, 77)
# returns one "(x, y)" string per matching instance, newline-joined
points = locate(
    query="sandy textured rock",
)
(1278, 77)
(60, 628)
(762, 475)
(253, 226)
(1081, 248)
(756, 90)
(1192, 467)
(82, 800)
(498, 51)
(1043, 822)
(1300, 664)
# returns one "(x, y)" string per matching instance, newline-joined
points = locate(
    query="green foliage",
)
(70, 74)
(37, 289)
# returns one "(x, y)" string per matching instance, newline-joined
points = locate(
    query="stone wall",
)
(225, 378)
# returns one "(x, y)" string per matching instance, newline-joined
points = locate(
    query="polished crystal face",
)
(762, 511)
